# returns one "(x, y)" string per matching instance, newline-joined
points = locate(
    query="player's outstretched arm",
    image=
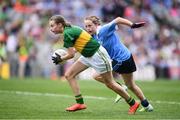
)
(123, 21)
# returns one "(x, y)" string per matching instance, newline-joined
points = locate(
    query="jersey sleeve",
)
(68, 40)
(108, 29)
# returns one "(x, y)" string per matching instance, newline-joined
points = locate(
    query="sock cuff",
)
(78, 96)
(79, 99)
(145, 103)
(130, 100)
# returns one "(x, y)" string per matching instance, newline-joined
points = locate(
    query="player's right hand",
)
(56, 60)
(137, 25)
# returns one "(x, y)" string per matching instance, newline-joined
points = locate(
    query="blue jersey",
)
(107, 37)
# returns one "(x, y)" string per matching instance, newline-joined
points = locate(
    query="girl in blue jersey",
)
(122, 59)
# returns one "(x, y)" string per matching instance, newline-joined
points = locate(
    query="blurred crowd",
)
(26, 44)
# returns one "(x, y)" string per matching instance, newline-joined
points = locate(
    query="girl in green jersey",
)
(92, 55)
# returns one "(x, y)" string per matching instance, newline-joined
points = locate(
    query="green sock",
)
(131, 101)
(79, 99)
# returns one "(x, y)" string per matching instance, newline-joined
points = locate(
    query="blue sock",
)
(144, 103)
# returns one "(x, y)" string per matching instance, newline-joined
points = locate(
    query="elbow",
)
(122, 21)
(119, 19)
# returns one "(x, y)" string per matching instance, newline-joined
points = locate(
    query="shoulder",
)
(107, 29)
(109, 25)
(73, 31)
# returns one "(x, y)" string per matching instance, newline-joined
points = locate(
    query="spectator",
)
(155, 44)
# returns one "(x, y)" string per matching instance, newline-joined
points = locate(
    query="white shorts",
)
(100, 61)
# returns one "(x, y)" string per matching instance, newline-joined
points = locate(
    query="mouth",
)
(90, 32)
(54, 32)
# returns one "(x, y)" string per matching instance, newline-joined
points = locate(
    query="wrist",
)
(133, 25)
(60, 60)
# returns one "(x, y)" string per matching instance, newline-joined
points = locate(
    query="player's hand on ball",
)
(56, 59)
(137, 25)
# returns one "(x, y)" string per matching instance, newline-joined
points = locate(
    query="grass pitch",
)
(46, 99)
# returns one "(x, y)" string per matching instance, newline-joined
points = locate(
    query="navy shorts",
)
(127, 66)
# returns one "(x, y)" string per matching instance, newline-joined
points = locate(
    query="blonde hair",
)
(94, 20)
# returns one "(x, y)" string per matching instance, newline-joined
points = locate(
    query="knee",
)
(98, 78)
(95, 77)
(69, 76)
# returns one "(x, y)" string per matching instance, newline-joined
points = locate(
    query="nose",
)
(51, 30)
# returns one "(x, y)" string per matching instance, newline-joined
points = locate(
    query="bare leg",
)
(130, 83)
(128, 79)
(71, 73)
(110, 83)
(99, 78)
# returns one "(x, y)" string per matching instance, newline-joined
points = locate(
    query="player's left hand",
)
(56, 60)
(137, 25)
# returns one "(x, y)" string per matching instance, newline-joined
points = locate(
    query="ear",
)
(60, 24)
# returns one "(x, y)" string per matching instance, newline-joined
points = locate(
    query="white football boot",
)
(149, 108)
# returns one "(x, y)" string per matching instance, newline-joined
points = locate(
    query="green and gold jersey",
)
(82, 41)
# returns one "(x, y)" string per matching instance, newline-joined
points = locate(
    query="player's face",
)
(90, 27)
(55, 28)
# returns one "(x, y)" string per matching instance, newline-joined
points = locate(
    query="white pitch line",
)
(68, 96)
(47, 94)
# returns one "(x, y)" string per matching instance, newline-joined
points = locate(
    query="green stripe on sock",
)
(79, 99)
(118, 83)
(78, 95)
(131, 101)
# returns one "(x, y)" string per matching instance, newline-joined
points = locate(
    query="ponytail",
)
(60, 19)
